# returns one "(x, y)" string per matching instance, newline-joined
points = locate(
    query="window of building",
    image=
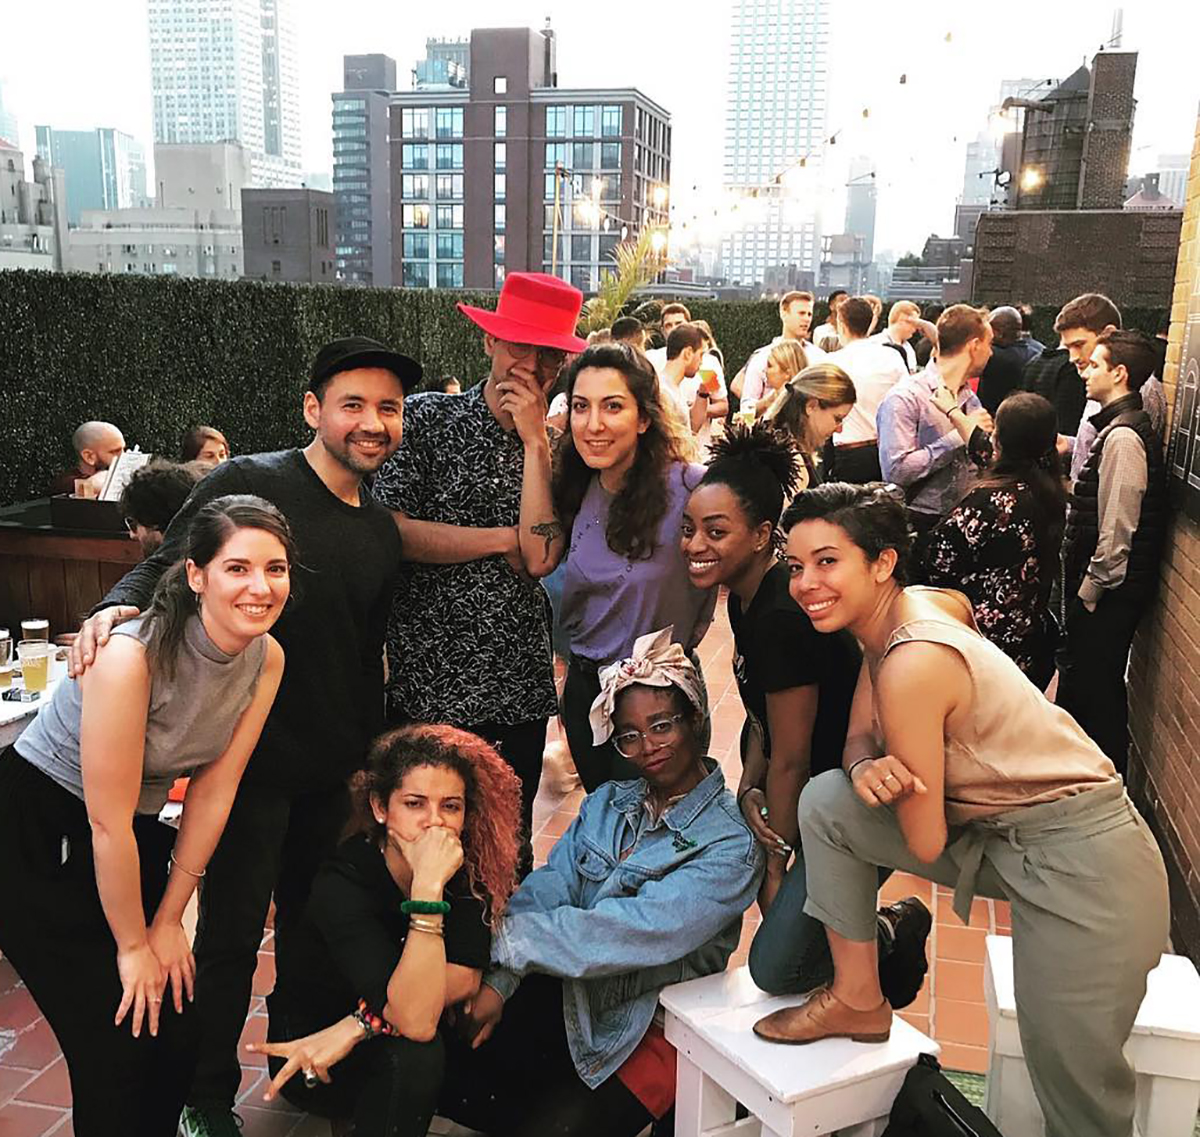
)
(414, 216)
(551, 179)
(500, 122)
(498, 217)
(450, 156)
(274, 225)
(449, 217)
(450, 275)
(498, 248)
(584, 154)
(584, 122)
(323, 228)
(556, 122)
(608, 244)
(449, 122)
(414, 186)
(497, 276)
(416, 274)
(581, 248)
(500, 155)
(610, 187)
(556, 154)
(500, 85)
(548, 217)
(414, 122)
(416, 246)
(610, 155)
(583, 215)
(276, 267)
(610, 121)
(449, 246)
(499, 185)
(581, 276)
(450, 187)
(414, 156)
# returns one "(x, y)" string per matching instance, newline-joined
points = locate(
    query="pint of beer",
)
(35, 628)
(35, 663)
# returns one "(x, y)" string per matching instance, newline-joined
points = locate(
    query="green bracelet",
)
(425, 907)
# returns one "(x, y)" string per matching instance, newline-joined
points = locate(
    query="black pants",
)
(596, 764)
(272, 844)
(389, 1085)
(857, 464)
(53, 930)
(521, 745)
(523, 1083)
(1091, 672)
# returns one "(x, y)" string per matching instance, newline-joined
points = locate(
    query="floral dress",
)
(987, 549)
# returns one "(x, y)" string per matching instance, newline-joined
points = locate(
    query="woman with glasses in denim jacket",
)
(646, 888)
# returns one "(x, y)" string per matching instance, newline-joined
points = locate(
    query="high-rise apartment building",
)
(585, 168)
(362, 185)
(1172, 176)
(9, 127)
(105, 168)
(861, 196)
(775, 123)
(226, 70)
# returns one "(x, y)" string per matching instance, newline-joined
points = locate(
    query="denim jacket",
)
(619, 930)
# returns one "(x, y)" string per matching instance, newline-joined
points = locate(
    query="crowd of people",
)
(350, 649)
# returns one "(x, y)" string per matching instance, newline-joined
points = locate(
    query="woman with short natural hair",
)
(622, 475)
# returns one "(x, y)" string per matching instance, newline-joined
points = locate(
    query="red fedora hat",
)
(534, 308)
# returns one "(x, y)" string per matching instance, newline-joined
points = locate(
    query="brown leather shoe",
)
(825, 1016)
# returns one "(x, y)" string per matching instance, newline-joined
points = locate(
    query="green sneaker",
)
(197, 1121)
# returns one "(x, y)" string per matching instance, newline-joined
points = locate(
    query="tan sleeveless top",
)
(1014, 748)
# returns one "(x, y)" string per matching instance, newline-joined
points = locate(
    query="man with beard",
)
(933, 431)
(291, 805)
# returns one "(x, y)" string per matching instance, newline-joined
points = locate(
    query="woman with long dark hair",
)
(958, 770)
(397, 929)
(1000, 545)
(92, 886)
(811, 408)
(622, 475)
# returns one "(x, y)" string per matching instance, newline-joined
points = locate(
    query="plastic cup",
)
(708, 381)
(5, 647)
(35, 663)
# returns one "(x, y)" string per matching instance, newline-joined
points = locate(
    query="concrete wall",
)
(1164, 680)
(1048, 256)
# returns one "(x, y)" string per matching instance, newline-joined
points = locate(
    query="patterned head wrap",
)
(656, 662)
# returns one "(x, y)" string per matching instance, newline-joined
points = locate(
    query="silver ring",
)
(891, 778)
(310, 1079)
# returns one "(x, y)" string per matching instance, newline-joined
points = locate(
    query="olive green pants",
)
(1090, 919)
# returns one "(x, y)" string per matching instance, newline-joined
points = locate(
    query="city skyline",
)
(911, 94)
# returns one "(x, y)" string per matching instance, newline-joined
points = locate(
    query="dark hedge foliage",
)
(158, 355)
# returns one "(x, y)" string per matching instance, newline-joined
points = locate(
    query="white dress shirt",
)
(875, 370)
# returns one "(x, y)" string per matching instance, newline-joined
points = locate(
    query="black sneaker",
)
(200, 1121)
(904, 928)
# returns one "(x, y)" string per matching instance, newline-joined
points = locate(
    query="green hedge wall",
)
(157, 355)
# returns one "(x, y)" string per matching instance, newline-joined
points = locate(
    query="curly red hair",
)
(492, 827)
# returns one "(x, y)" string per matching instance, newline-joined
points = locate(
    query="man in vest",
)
(1116, 522)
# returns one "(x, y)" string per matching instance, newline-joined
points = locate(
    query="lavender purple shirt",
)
(609, 600)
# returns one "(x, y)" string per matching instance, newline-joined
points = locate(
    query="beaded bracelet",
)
(425, 907)
(372, 1024)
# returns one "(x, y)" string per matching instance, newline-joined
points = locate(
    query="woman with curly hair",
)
(397, 929)
(811, 407)
(621, 478)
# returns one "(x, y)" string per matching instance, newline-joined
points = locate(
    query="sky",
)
(94, 71)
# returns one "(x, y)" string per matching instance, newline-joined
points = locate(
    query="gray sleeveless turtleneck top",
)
(190, 721)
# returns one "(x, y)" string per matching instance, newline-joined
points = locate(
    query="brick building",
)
(1164, 679)
(1048, 256)
(286, 235)
(457, 151)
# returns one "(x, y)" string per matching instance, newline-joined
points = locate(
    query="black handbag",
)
(930, 1105)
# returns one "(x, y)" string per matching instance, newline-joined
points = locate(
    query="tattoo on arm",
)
(550, 530)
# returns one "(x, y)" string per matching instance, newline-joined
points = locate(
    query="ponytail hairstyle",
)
(174, 601)
(1026, 435)
(491, 834)
(873, 516)
(759, 465)
(638, 509)
(825, 382)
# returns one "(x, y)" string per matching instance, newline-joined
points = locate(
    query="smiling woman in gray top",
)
(92, 886)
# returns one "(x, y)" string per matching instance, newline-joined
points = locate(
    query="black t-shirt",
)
(351, 937)
(330, 700)
(777, 648)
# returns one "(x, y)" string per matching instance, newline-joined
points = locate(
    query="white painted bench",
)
(1164, 1050)
(833, 1086)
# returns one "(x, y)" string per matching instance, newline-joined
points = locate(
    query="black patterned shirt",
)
(467, 644)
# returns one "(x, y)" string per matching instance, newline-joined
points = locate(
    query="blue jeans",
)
(790, 951)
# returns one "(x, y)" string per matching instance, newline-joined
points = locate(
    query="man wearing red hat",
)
(469, 636)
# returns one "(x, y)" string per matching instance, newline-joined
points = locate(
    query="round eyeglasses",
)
(631, 743)
(546, 356)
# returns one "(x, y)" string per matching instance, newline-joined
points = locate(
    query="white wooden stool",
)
(825, 1087)
(1164, 1050)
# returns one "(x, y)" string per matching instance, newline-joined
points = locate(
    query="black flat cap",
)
(359, 351)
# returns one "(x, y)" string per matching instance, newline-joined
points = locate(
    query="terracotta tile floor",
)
(34, 1093)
